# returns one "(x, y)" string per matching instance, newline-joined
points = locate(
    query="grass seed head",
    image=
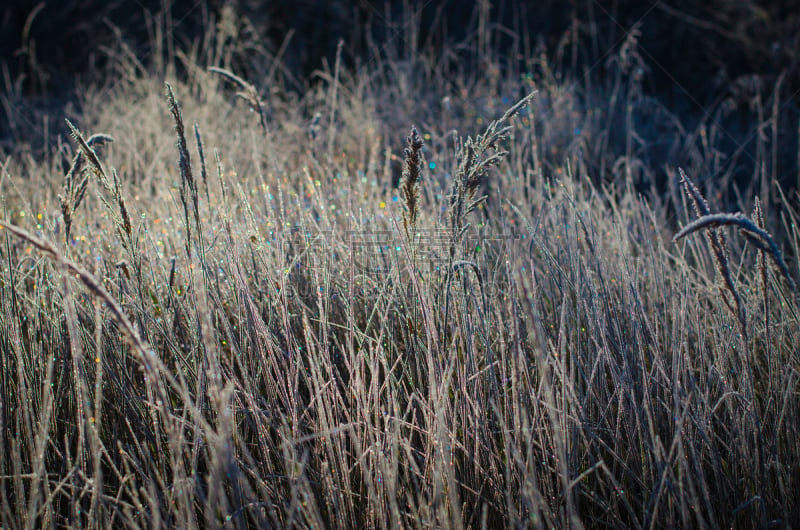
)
(409, 183)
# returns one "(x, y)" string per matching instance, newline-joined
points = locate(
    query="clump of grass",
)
(119, 210)
(473, 166)
(753, 231)
(756, 235)
(188, 184)
(720, 250)
(88, 280)
(76, 181)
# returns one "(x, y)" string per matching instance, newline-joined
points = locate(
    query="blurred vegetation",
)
(717, 62)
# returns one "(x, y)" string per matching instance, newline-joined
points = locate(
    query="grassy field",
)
(405, 297)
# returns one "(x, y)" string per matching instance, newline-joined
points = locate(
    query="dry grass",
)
(504, 340)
